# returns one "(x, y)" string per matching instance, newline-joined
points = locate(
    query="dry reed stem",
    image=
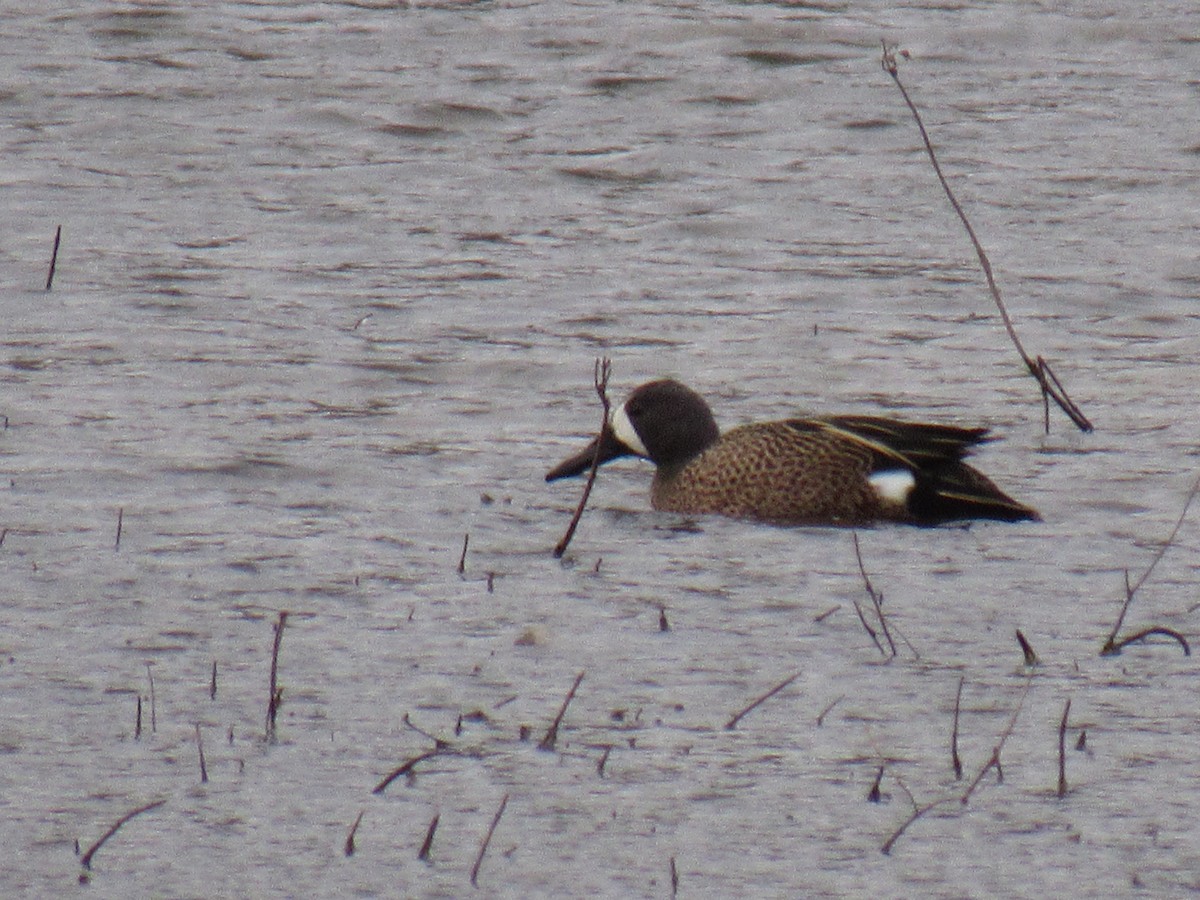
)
(200, 750)
(876, 600)
(875, 795)
(1112, 646)
(916, 814)
(487, 839)
(54, 257)
(600, 378)
(153, 700)
(1039, 368)
(427, 844)
(603, 760)
(462, 560)
(348, 849)
(551, 736)
(821, 716)
(955, 759)
(87, 857)
(276, 693)
(405, 768)
(1062, 750)
(754, 704)
(1031, 658)
(994, 761)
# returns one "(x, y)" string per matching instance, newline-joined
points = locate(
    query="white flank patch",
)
(893, 484)
(625, 432)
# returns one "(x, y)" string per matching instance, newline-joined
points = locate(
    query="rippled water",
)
(331, 285)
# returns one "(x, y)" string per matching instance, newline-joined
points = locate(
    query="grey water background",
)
(332, 281)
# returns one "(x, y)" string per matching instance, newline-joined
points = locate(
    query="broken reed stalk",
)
(153, 702)
(674, 878)
(462, 560)
(600, 377)
(1062, 750)
(1038, 368)
(54, 257)
(120, 523)
(1111, 646)
(200, 750)
(1031, 658)
(955, 759)
(1150, 632)
(212, 684)
(487, 839)
(876, 599)
(276, 693)
(87, 857)
(821, 716)
(423, 855)
(551, 737)
(405, 768)
(871, 632)
(603, 761)
(732, 723)
(916, 814)
(349, 848)
(137, 728)
(875, 795)
(438, 742)
(994, 761)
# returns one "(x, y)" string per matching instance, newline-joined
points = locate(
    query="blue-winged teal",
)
(835, 470)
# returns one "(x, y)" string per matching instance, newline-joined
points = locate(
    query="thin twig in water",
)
(87, 857)
(874, 635)
(1150, 632)
(876, 599)
(994, 761)
(1062, 750)
(1111, 646)
(1031, 658)
(829, 708)
(551, 737)
(916, 814)
(348, 849)
(600, 377)
(423, 855)
(1038, 368)
(54, 257)
(487, 840)
(754, 704)
(276, 693)
(200, 750)
(405, 768)
(955, 759)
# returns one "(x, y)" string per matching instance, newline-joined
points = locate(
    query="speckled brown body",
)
(797, 472)
(752, 472)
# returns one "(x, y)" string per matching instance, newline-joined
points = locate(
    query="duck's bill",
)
(609, 449)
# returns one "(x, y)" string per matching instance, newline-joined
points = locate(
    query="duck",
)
(840, 470)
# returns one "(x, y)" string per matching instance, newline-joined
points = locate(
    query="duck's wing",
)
(944, 488)
(920, 443)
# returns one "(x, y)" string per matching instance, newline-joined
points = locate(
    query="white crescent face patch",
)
(626, 434)
(893, 485)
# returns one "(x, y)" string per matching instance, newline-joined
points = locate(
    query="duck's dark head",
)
(663, 421)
